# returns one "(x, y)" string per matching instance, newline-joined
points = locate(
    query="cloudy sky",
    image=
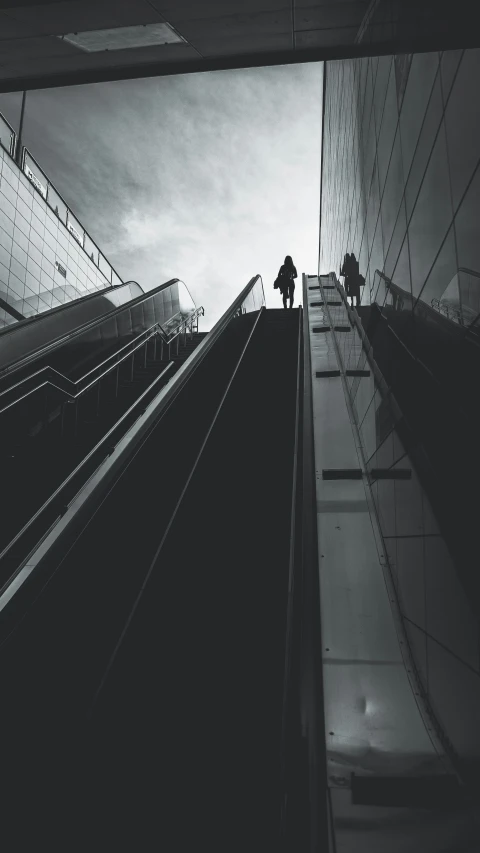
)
(209, 177)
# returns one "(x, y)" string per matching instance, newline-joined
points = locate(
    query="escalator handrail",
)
(87, 326)
(154, 410)
(26, 321)
(176, 510)
(73, 389)
(105, 445)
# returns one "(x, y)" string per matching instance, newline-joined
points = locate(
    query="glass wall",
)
(401, 183)
(400, 189)
(440, 622)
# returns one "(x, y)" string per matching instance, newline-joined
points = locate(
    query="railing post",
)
(145, 358)
(133, 367)
(98, 396)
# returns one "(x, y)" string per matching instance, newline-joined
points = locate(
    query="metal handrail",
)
(87, 326)
(103, 441)
(154, 330)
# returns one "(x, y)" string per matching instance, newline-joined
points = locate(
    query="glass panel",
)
(75, 229)
(425, 144)
(420, 81)
(462, 120)
(35, 174)
(448, 68)
(104, 267)
(432, 215)
(91, 249)
(381, 84)
(57, 204)
(7, 135)
(393, 193)
(443, 276)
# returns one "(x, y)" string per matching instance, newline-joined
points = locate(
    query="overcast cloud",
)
(208, 177)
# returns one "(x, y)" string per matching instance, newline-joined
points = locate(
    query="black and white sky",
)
(209, 177)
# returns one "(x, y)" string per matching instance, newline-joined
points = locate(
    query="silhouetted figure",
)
(353, 279)
(286, 276)
(346, 272)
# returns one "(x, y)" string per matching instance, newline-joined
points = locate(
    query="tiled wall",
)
(401, 183)
(32, 240)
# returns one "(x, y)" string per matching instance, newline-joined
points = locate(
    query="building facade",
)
(401, 189)
(401, 183)
(46, 256)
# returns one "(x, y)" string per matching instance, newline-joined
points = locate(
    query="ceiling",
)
(214, 34)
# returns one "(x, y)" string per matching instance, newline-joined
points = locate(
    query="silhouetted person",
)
(354, 280)
(286, 276)
(346, 272)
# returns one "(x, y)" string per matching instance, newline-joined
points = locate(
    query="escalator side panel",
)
(197, 684)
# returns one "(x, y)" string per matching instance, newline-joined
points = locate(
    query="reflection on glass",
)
(91, 249)
(104, 267)
(7, 136)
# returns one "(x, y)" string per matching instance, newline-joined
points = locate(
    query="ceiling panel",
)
(36, 46)
(330, 15)
(243, 45)
(325, 38)
(72, 16)
(185, 10)
(233, 26)
(15, 29)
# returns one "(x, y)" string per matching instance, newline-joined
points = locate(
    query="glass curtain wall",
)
(401, 182)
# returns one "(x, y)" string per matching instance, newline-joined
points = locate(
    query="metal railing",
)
(73, 389)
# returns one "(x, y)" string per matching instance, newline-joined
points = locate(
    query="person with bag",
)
(354, 280)
(285, 280)
(346, 272)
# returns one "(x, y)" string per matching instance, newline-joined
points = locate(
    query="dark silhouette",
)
(285, 279)
(345, 271)
(353, 279)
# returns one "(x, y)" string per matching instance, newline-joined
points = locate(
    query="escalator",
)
(71, 384)
(144, 662)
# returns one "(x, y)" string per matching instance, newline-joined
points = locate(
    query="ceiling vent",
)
(121, 38)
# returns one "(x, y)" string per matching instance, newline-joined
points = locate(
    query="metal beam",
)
(412, 44)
